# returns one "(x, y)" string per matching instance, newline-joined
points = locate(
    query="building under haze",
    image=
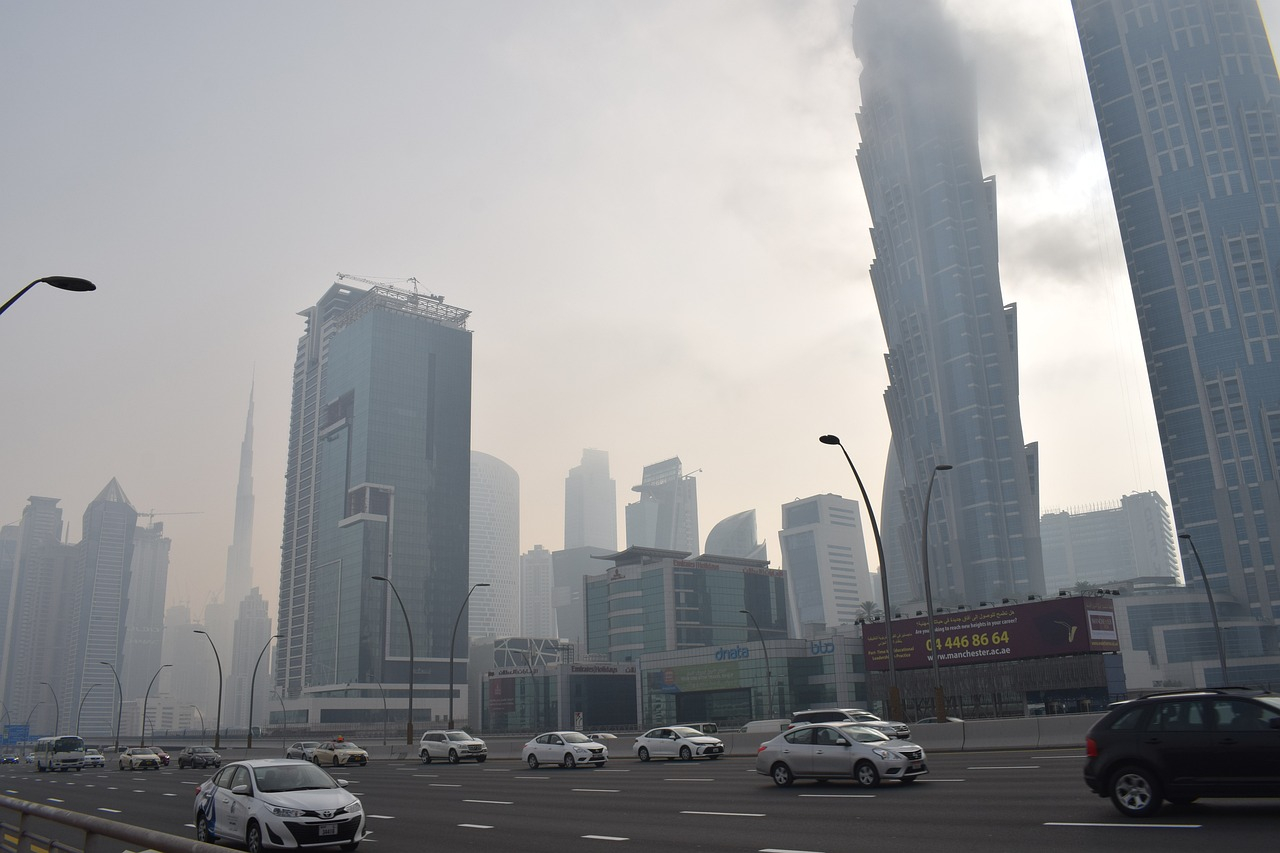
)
(1187, 99)
(144, 622)
(666, 514)
(495, 547)
(953, 348)
(824, 556)
(735, 536)
(377, 484)
(591, 503)
(248, 654)
(537, 615)
(1120, 540)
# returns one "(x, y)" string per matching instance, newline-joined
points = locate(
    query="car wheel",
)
(686, 754)
(568, 762)
(866, 774)
(426, 756)
(253, 838)
(643, 753)
(335, 761)
(453, 756)
(202, 831)
(316, 760)
(782, 775)
(533, 762)
(1135, 791)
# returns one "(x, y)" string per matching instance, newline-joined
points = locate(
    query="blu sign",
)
(822, 647)
(736, 653)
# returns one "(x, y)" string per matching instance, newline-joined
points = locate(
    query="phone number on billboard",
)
(971, 641)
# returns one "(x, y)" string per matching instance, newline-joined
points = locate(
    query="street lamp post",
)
(196, 708)
(81, 708)
(217, 732)
(939, 696)
(408, 732)
(253, 679)
(57, 710)
(62, 282)
(895, 695)
(1213, 609)
(119, 700)
(453, 640)
(145, 697)
(768, 670)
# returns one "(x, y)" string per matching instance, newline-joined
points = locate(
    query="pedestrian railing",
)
(27, 827)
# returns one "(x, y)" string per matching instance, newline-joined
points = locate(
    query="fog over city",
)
(652, 210)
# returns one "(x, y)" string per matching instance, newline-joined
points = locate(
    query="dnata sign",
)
(736, 653)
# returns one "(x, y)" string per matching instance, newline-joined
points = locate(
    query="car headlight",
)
(354, 808)
(887, 754)
(281, 811)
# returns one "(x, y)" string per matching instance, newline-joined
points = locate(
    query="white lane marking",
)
(784, 850)
(474, 826)
(597, 790)
(443, 785)
(1059, 757)
(381, 816)
(496, 770)
(1005, 767)
(114, 811)
(492, 802)
(56, 800)
(611, 770)
(426, 775)
(726, 814)
(531, 777)
(168, 794)
(692, 779)
(606, 838)
(1130, 825)
(842, 796)
(942, 780)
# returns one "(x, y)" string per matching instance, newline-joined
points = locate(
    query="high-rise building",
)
(591, 503)
(735, 536)
(239, 562)
(1187, 100)
(666, 515)
(252, 631)
(377, 484)
(824, 556)
(952, 362)
(144, 624)
(495, 547)
(569, 568)
(537, 615)
(105, 558)
(195, 683)
(1116, 541)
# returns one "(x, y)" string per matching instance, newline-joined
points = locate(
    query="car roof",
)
(264, 762)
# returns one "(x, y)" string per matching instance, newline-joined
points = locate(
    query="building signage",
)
(736, 653)
(1059, 626)
(822, 647)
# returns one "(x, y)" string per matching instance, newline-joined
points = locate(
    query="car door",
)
(1179, 740)
(661, 743)
(1246, 749)
(797, 750)
(550, 749)
(830, 752)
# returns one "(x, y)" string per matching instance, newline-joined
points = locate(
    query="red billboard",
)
(1035, 629)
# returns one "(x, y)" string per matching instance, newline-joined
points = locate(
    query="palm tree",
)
(870, 610)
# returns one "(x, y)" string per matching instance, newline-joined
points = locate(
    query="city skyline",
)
(701, 246)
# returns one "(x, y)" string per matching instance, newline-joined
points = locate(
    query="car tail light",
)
(761, 748)
(1090, 747)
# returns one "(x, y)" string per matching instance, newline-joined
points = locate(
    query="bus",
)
(64, 752)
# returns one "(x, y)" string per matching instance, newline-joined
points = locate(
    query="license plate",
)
(914, 767)
(328, 829)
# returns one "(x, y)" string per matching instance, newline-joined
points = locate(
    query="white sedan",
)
(568, 749)
(681, 742)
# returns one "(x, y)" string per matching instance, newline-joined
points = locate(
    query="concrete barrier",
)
(1065, 731)
(939, 737)
(1005, 733)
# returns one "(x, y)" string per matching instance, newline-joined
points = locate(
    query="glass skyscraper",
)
(952, 361)
(1186, 97)
(377, 484)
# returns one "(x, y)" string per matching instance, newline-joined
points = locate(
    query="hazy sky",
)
(651, 208)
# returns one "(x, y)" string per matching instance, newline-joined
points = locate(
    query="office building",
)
(144, 623)
(735, 536)
(495, 547)
(1114, 541)
(952, 358)
(537, 615)
(377, 484)
(824, 556)
(249, 655)
(569, 569)
(591, 503)
(666, 515)
(1186, 97)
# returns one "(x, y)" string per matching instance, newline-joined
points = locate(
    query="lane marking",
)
(943, 780)
(695, 779)
(444, 785)
(530, 777)
(169, 794)
(1130, 825)
(606, 838)
(597, 790)
(474, 826)
(114, 811)
(726, 814)
(493, 802)
(1005, 767)
(842, 796)
(381, 816)
(56, 800)
(784, 850)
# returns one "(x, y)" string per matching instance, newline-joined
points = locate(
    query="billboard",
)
(1034, 629)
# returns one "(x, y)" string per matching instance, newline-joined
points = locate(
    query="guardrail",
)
(29, 827)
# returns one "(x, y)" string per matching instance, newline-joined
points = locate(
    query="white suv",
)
(858, 716)
(451, 746)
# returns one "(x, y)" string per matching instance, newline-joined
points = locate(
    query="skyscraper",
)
(666, 515)
(1186, 95)
(538, 616)
(952, 360)
(735, 536)
(239, 565)
(495, 547)
(144, 624)
(824, 555)
(252, 630)
(591, 503)
(377, 483)
(1116, 541)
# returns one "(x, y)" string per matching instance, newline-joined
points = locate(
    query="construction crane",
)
(342, 276)
(152, 514)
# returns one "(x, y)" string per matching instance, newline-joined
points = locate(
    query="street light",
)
(119, 700)
(895, 695)
(217, 732)
(939, 697)
(201, 713)
(452, 641)
(57, 711)
(145, 697)
(768, 670)
(1213, 609)
(253, 679)
(62, 282)
(408, 732)
(81, 708)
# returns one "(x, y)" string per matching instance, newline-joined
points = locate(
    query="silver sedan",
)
(836, 751)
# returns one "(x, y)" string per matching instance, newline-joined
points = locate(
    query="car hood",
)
(320, 800)
(705, 740)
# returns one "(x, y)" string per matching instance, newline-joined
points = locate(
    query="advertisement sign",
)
(1058, 626)
(694, 678)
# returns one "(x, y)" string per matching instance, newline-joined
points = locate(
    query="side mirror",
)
(240, 789)
(342, 783)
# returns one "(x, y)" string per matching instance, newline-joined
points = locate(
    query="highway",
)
(976, 801)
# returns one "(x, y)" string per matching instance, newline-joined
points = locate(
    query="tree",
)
(869, 610)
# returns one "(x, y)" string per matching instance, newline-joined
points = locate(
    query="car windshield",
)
(202, 749)
(458, 736)
(575, 737)
(686, 731)
(1273, 701)
(345, 745)
(864, 735)
(294, 776)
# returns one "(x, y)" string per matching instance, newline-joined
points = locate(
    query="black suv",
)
(1180, 746)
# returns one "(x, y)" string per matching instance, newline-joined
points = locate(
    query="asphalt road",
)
(979, 802)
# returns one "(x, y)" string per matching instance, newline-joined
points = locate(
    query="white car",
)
(568, 749)
(93, 758)
(680, 742)
(451, 746)
(303, 749)
(836, 751)
(139, 758)
(278, 803)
